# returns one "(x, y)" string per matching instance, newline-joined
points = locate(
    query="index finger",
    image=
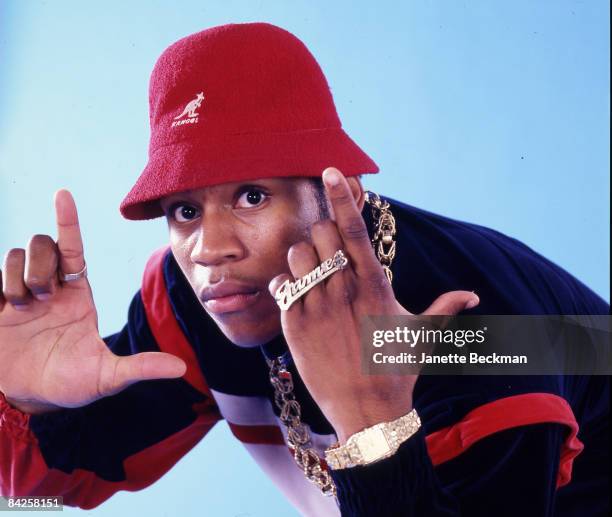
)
(69, 241)
(350, 223)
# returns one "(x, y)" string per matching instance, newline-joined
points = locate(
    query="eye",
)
(182, 213)
(251, 197)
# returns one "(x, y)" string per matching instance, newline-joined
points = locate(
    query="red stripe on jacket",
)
(507, 413)
(23, 470)
(162, 321)
(259, 434)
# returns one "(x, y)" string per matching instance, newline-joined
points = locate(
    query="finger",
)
(326, 241)
(14, 288)
(41, 267)
(69, 240)
(350, 223)
(452, 303)
(303, 259)
(277, 281)
(146, 366)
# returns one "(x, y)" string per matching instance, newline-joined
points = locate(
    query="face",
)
(231, 240)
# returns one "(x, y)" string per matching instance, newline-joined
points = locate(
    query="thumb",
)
(449, 304)
(146, 366)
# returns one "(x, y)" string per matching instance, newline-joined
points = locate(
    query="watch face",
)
(373, 445)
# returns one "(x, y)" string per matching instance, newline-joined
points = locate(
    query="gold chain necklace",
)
(384, 232)
(298, 436)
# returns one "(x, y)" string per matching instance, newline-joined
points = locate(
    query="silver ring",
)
(71, 277)
(289, 291)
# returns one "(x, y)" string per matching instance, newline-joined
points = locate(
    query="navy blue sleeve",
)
(510, 473)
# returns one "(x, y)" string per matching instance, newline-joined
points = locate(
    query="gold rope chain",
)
(384, 232)
(298, 436)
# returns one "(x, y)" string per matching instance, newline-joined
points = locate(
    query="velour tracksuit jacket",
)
(488, 446)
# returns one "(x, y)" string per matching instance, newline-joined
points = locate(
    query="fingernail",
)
(20, 306)
(331, 177)
(472, 303)
(43, 296)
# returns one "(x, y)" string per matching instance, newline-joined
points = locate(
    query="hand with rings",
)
(51, 353)
(336, 279)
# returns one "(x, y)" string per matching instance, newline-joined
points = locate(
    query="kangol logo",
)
(189, 114)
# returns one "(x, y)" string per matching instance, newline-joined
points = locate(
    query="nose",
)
(217, 240)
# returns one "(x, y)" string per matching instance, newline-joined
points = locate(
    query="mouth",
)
(229, 296)
(231, 303)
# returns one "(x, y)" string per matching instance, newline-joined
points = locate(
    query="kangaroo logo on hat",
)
(190, 111)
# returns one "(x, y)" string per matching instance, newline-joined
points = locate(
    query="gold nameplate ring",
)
(289, 291)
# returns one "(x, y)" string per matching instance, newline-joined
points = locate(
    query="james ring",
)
(289, 291)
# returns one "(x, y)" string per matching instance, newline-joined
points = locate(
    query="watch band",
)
(373, 443)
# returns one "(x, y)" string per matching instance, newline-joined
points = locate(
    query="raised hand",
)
(322, 328)
(51, 353)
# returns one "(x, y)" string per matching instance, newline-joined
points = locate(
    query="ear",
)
(357, 190)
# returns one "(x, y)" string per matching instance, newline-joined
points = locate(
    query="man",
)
(260, 186)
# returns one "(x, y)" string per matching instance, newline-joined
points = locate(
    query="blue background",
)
(491, 112)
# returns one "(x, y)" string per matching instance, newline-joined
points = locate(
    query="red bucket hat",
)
(238, 102)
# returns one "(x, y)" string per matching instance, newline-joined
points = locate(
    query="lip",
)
(229, 296)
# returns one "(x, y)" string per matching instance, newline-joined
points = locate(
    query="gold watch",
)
(373, 443)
